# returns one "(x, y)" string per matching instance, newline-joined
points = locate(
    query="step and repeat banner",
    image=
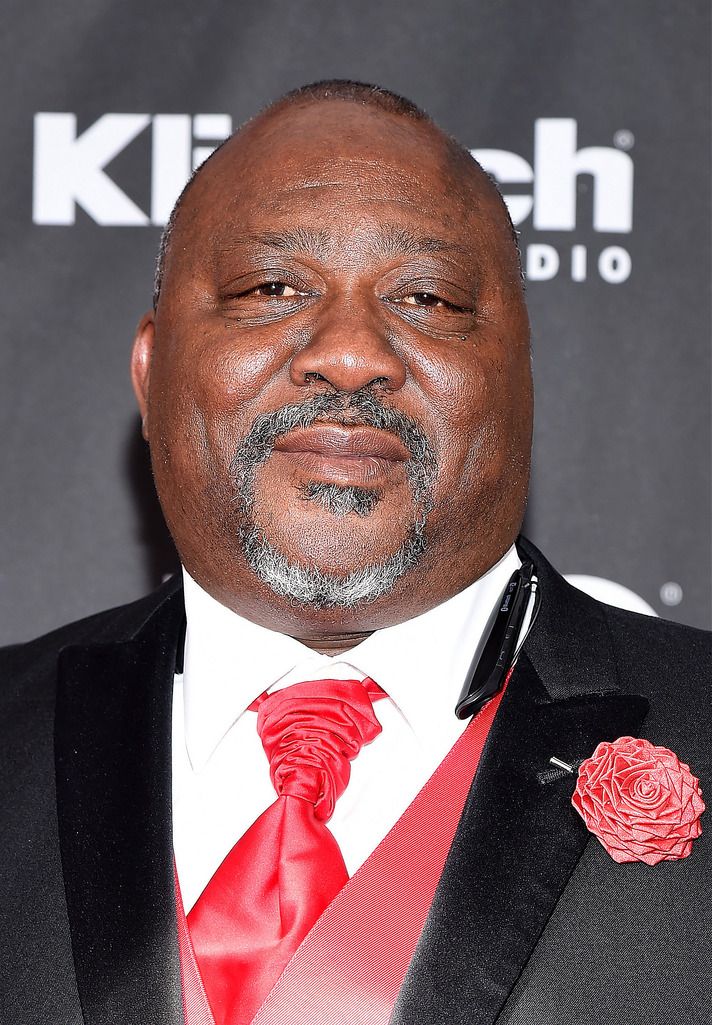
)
(595, 119)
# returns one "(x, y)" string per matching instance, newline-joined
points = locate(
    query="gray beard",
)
(341, 500)
(308, 585)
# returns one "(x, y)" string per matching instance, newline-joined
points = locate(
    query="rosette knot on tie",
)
(311, 732)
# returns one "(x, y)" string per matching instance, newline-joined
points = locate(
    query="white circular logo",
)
(671, 593)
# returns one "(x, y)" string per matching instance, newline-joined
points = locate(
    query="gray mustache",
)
(361, 408)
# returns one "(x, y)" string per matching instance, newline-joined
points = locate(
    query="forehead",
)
(335, 155)
(360, 179)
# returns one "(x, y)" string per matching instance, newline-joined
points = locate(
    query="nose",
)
(349, 349)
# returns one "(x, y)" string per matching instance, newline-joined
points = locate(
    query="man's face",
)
(337, 382)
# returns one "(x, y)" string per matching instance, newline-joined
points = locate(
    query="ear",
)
(141, 356)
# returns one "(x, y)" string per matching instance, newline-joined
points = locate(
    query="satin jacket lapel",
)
(519, 838)
(112, 744)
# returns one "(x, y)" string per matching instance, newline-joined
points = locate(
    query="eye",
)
(424, 299)
(274, 290)
(263, 295)
(431, 301)
(421, 303)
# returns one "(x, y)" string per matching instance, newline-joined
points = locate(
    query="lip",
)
(343, 442)
(359, 456)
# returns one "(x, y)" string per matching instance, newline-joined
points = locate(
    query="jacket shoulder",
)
(28, 662)
(653, 639)
(672, 665)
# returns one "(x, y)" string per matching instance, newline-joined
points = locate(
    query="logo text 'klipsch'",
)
(70, 171)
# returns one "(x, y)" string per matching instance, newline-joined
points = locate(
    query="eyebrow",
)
(395, 241)
(392, 241)
(301, 240)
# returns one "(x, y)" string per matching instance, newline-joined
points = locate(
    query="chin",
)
(309, 585)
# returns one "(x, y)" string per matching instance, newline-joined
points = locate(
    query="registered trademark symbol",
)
(624, 139)
(671, 593)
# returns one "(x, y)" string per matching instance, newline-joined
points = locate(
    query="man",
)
(335, 388)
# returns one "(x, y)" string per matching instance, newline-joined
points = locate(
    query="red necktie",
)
(287, 868)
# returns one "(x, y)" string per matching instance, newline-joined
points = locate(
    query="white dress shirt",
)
(221, 778)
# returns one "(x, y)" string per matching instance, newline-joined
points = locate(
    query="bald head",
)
(376, 98)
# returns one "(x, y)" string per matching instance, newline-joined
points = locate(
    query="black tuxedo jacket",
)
(532, 922)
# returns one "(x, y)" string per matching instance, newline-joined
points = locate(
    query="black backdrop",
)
(598, 116)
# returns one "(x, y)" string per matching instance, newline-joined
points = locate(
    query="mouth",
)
(357, 456)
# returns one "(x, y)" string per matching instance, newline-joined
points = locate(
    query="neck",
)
(335, 644)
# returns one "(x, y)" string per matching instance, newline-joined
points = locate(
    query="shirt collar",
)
(420, 663)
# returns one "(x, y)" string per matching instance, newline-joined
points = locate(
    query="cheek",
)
(481, 411)
(228, 366)
(204, 389)
(457, 398)
(241, 364)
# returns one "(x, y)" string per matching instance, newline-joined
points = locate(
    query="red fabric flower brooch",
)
(639, 800)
